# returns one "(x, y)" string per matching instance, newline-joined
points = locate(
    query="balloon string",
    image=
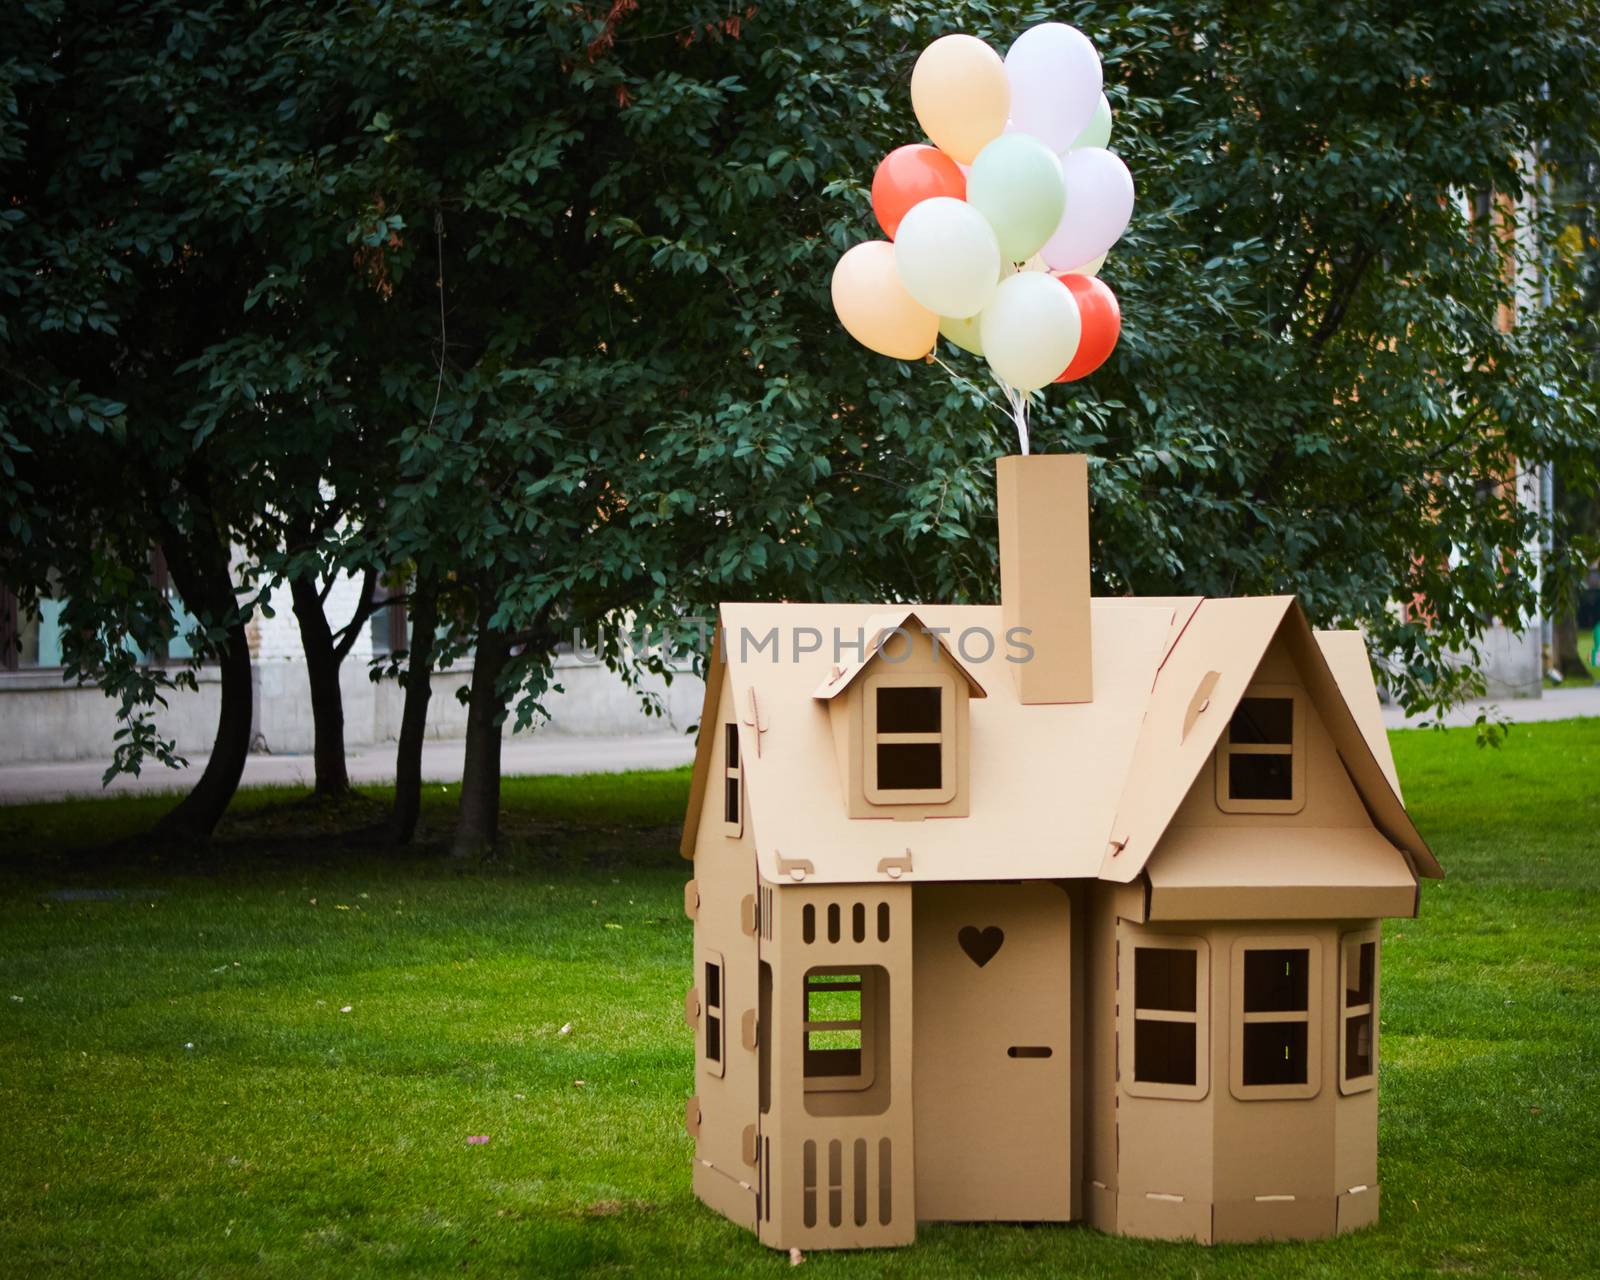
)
(1017, 400)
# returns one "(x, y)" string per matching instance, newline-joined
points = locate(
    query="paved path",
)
(569, 753)
(1557, 704)
(441, 762)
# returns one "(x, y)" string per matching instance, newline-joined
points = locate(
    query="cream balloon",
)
(1099, 204)
(1055, 83)
(1030, 331)
(960, 94)
(875, 308)
(947, 256)
(1089, 268)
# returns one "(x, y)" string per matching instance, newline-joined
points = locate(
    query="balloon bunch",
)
(997, 230)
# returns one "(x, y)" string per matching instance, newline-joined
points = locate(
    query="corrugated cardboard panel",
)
(705, 746)
(1225, 636)
(1162, 1217)
(993, 1052)
(1044, 779)
(1043, 507)
(1296, 1218)
(880, 629)
(1278, 873)
(1382, 801)
(732, 1197)
(1346, 652)
(1358, 1209)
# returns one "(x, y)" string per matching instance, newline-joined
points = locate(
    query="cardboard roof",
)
(875, 633)
(1279, 873)
(1200, 686)
(1059, 790)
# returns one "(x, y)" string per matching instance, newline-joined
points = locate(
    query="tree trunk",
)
(327, 699)
(417, 680)
(478, 820)
(200, 572)
(1564, 645)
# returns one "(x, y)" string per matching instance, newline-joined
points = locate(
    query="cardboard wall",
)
(837, 1166)
(724, 878)
(1226, 1167)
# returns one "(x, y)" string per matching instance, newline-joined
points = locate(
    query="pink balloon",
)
(1099, 205)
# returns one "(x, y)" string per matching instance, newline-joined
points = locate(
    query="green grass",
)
(184, 1094)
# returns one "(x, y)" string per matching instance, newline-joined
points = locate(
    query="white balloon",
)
(1030, 331)
(1055, 83)
(947, 257)
(1099, 204)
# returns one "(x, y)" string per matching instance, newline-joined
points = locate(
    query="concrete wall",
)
(42, 719)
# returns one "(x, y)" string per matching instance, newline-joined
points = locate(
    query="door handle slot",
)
(1029, 1051)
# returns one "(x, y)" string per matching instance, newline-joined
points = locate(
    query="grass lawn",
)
(269, 1060)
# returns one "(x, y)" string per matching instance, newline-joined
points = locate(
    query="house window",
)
(1168, 1017)
(910, 738)
(732, 781)
(1276, 1010)
(712, 1017)
(840, 1038)
(1261, 765)
(1358, 1011)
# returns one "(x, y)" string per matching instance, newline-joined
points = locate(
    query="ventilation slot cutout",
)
(809, 1154)
(883, 926)
(766, 1179)
(835, 1183)
(833, 922)
(1029, 1051)
(858, 922)
(859, 1182)
(808, 924)
(767, 922)
(885, 1183)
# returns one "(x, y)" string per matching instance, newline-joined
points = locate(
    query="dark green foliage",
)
(538, 297)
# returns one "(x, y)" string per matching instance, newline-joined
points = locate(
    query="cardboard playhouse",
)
(1093, 935)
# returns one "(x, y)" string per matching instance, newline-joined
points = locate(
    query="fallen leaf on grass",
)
(796, 1257)
(477, 1139)
(566, 1027)
(578, 1084)
(347, 1008)
(609, 925)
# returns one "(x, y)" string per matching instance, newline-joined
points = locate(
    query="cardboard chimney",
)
(1089, 936)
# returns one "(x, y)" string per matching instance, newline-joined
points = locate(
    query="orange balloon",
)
(909, 175)
(875, 308)
(1102, 324)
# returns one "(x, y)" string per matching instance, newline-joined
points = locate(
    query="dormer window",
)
(1261, 765)
(910, 738)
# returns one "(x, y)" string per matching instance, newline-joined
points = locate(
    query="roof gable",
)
(876, 633)
(1196, 694)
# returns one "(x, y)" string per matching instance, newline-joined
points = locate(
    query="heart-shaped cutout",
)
(980, 944)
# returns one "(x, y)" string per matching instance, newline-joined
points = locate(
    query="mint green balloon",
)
(1097, 133)
(1016, 184)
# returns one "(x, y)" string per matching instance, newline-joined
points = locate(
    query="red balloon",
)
(1102, 323)
(909, 175)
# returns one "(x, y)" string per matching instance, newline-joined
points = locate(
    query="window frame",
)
(1312, 1015)
(732, 772)
(1129, 1015)
(945, 737)
(718, 1065)
(1350, 945)
(1295, 750)
(867, 985)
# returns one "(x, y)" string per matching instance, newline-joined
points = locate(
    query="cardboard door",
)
(991, 1065)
